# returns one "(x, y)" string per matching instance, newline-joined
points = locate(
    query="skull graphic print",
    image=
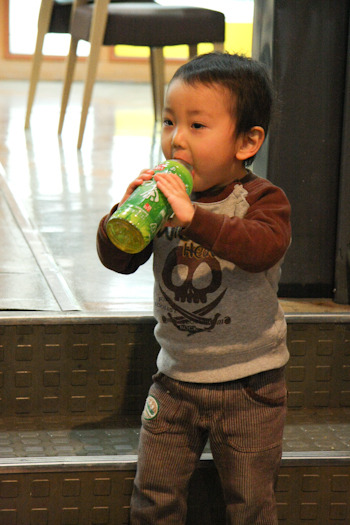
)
(192, 276)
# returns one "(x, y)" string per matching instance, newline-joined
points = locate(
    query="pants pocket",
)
(255, 412)
(267, 388)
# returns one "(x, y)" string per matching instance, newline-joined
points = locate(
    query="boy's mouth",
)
(176, 157)
(180, 158)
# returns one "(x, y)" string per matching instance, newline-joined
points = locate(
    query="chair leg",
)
(157, 75)
(97, 32)
(44, 19)
(68, 79)
(219, 46)
(192, 51)
(89, 84)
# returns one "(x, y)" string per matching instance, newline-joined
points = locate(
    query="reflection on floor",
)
(60, 194)
(53, 196)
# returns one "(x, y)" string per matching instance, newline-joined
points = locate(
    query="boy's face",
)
(198, 128)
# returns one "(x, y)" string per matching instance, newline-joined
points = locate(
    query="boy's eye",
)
(197, 125)
(167, 122)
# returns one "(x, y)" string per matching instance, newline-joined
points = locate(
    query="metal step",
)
(72, 391)
(83, 473)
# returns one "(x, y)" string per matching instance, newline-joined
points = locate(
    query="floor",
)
(52, 197)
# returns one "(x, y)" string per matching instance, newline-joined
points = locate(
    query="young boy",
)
(221, 330)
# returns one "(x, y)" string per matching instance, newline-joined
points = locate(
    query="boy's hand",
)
(175, 191)
(144, 175)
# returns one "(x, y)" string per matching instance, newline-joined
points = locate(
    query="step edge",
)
(120, 462)
(139, 316)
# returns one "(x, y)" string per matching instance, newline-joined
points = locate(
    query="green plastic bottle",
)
(136, 222)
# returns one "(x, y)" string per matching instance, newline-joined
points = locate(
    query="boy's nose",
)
(178, 139)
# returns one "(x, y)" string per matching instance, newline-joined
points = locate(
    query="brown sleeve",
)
(113, 258)
(254, 243)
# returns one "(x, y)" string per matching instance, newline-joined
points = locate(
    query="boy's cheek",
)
(166, 145)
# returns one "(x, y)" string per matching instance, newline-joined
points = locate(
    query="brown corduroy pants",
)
(243, 421)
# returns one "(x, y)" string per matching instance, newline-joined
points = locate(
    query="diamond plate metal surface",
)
(305, 431)
(71, 397)
(318, 371)
(75, 369)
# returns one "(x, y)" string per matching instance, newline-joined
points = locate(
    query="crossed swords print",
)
(195, 317)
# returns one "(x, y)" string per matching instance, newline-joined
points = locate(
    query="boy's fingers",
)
(147, 172)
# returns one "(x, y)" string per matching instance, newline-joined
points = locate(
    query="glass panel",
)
(23, 24)
(23, 17)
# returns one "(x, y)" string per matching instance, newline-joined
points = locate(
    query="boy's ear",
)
(251, 142)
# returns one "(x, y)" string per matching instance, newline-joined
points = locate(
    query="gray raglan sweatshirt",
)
(215, 291)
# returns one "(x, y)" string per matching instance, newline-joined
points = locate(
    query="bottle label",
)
(146, 210)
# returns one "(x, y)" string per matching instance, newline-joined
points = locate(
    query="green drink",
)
(136, 222)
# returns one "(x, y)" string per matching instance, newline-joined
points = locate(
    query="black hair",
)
(244, 77)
